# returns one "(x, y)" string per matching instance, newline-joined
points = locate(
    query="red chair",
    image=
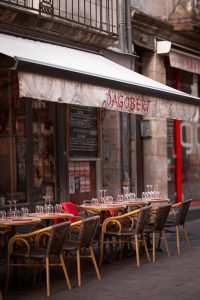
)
(71, 208)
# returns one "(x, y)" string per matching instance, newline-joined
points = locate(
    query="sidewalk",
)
(172, 278)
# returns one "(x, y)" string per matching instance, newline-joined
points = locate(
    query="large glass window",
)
(13, 163)
(43, 149)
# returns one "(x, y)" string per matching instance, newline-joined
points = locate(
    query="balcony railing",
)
(99, 15)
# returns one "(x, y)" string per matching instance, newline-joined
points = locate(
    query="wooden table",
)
(102, 207)
(53, 216)
(19, 221)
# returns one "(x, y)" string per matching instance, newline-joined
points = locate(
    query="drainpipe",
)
(121, 24)
(132, 138)
(125, 127)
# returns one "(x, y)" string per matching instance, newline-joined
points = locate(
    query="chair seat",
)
(34, 253)
(170, 224)
(122, 233)
(70, 246)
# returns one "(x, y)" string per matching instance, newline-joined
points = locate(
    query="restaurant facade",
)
(60, 118)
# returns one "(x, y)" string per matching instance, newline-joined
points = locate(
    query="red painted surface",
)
(177, 147)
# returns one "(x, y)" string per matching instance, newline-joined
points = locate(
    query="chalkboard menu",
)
(83, 131)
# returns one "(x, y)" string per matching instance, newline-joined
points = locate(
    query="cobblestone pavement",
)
(177, 277)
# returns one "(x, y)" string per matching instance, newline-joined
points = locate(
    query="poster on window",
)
(71, 178)
(87, 177)
(77, 176)
(82, 177)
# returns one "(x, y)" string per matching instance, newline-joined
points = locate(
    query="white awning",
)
(168, 102)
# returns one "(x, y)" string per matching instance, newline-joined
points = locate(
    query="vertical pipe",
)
(177, 147)
(121, 25)
(125, 129)
(128, 27)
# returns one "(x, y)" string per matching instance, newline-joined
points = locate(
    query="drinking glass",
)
(94, 201)
(10, 212)
(49, 206)
(24, 212)
(119, 198)
(2, 214)
(45, 207)
(58, 208)
(148, 191)
(144, 196)
(39, 209)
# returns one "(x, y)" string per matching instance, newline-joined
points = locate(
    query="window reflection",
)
(43, 149)
(13, 164)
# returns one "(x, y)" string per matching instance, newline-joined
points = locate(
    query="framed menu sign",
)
(83, 132)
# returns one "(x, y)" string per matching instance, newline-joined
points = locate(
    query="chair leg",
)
(165, 241)
(47, 276)
(137, 250)
(154, 246)
(65, 272)
(145, 247)
(101, 252)
(7, 274)
(35, 273)
(186, 238)
(178, 240)
(94, 262)
(78, 266)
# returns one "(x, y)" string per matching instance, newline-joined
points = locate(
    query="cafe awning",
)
(103, 83)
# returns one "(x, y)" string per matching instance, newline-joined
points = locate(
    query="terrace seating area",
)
(129, 232)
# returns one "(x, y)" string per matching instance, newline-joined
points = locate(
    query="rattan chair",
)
(31, 247)
(157, 227)
(84, 241)
(124, 229)
(178, 222)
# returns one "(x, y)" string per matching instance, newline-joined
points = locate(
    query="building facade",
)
(71, 152)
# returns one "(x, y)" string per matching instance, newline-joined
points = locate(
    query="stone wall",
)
(155, 148)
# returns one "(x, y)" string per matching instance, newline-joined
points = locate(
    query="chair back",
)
(57, 238)
(161, 217)
(70, 207)
(87, 231)
(142, 218)
(183, 210)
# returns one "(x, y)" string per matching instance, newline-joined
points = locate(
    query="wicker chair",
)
(157, 226)
(84, 241)
(127, 228)
(179, 220)
(28, 246)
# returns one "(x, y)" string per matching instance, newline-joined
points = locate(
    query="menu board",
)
(83, 131)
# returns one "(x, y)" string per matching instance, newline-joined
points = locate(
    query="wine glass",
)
(10, 212)
(148, 191)
(45, 207)
(58, 208)
(101, 195)
(2, 214)
(49, 206)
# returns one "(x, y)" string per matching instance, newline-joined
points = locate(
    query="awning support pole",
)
(177, 146)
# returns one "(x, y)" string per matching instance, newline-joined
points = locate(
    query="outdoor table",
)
(52, 216)
(103, 209)
(13, 222)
